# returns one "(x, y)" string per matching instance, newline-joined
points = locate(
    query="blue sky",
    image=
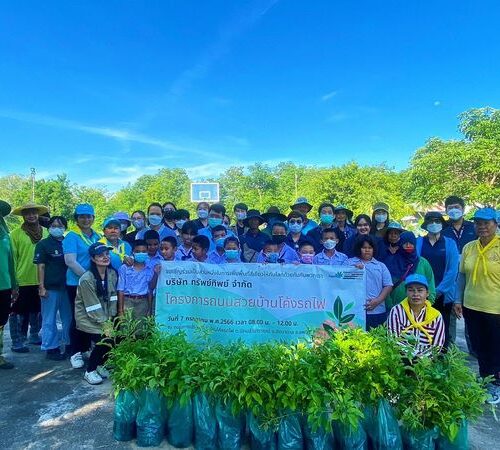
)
(108, 91)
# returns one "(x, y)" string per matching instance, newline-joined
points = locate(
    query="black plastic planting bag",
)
(151, 418)
(231, 428)
(419, 440)
(180, 425)
(290, 433)
(349, 437)
(459, 443)
(261, 439)
(126, 406)
(320, 439)
(205, 423)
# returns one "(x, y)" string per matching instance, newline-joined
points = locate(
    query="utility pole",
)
(33, 173)
(296, 185)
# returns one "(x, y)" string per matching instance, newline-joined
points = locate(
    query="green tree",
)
(56, 194)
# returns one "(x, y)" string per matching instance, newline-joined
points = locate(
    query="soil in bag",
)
(205, 423)
(151, 418)
(180, 425)
(125, 414)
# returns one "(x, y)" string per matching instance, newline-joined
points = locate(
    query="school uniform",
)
(338, 259)
(134, 283)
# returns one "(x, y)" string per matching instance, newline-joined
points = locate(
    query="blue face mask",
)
(179, 223)
(202, 213)
(232, 255)
(219, 243)
(140, 257)
(214, 221)
(56, 232)
(295, 227)
(154, 220)
(327, 219)
(138, 224)
(455, 213)
(272, 257)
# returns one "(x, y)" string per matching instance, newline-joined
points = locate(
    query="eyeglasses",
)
(293, 221)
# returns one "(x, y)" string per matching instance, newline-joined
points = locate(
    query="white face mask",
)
(329, 244)
(434, 228)
(381, 218)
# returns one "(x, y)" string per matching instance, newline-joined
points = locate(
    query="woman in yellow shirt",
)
(479, 296)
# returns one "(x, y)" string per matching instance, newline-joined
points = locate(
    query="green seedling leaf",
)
(349, 306)
(347, 319)
(338, 308)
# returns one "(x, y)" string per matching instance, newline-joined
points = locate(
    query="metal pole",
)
(296, 185)
(33, 173)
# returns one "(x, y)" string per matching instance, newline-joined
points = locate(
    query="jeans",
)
(56, 300)
(99, 353)
(25, 313)
(80, 341)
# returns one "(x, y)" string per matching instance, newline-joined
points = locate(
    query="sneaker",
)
(103, 372)
(493, 394)
(55, 355)
(93, 377)
(4, 364)
(22, 349)
(76, 361)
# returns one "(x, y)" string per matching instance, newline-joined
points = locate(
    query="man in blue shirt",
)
(460, 230)
(216, 214)
(253, 241)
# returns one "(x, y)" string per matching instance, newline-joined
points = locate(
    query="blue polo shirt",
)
(208, 233)
(296, 244)
(215, 258)
(463, 236)
(73, 242)
(436, 255)
(311, 224)
(255, 241)
(287, 255)
(338, 259)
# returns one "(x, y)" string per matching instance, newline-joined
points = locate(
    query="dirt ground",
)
(47, 404)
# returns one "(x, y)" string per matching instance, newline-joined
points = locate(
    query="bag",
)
(180, 425)
(231, 428)
(320, 439)
(419, 440)
(459, 443)
(261, 439)
(349, 437)
(290, 433)
(126, 406)
(388, 433)
(151, 418)
(205, 423)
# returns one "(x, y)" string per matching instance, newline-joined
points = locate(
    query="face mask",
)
(306, 259)
(179, 223)
(455, 213)
(231, 255)
(140, 257)
(381, 218)
(327, 219)
(169, 214)
(214, 221)
(279, 238)
(154, 220)
(56, 232)
(295, 227)
(434, 228)
(241, 215)
(409, 250)
(202, 213)
(329, 244)
(219, 243)
(138, 224)
(123, 226)
(272, 257)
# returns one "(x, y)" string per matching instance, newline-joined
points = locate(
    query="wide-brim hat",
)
(253, 214)
(432, 215)
(344, 208)
(40, 209)
(5, 208)
(273, 212)
(301, 201)
(382, 206)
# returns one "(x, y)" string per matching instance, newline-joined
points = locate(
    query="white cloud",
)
(329, 96)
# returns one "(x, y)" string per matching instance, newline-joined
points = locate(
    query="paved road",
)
(49, 405)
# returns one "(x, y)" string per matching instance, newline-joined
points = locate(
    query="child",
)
(168, 247)
(286, 254)
(184, 251)
(329, 256)
(201, 244)
(232, 250)
(269, 254)
(152, 239)
(134, 290)
(218, 237)
(306, 253)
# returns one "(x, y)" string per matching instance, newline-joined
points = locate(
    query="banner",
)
(258, 302)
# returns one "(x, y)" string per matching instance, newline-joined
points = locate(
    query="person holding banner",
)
(378, 280)
(329, 255)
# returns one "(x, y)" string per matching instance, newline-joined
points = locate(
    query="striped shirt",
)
(398, 321)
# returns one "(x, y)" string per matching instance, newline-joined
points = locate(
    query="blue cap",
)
(98, 248)
(395, 226)
(485, 214)
(416, 278)
(121, 215)
(84, 208)
(110, 221)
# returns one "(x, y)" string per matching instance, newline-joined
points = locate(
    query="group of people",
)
(417, 286)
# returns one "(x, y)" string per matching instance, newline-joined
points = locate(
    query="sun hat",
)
(39, 209)
(301, 201)
(273, 212)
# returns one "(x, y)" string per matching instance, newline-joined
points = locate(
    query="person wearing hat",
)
(96, 303)
(415, 321)
(303, 207)
(8, 282)
(391, 238)
(380, 219)
(253, 241)
(76, 245)
(343, 217)
(121, 250)
(326, 216)
(478, 298)
(442, 254)
(272, 215)
(125, 222)
(26, 302)
(295, 239)
(138, 220)
(240, 212)
(406, 262)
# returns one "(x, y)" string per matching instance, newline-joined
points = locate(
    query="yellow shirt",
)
(484, 295)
